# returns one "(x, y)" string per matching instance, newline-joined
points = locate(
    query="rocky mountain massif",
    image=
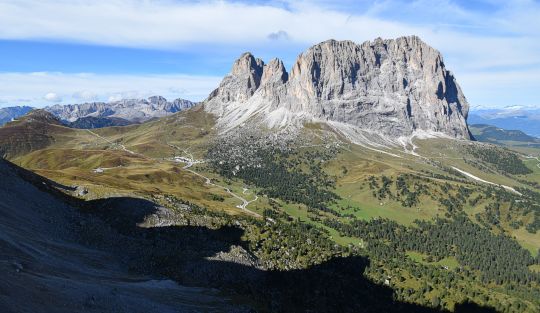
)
(132, 110)
(394, 88)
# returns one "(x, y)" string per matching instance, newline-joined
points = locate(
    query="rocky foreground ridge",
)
(394, 88)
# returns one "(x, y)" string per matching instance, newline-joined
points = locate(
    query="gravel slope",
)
(46, 268)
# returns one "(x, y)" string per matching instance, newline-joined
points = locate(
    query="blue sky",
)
(75, 51)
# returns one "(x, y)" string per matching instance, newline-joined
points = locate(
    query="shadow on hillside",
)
(182, 253)
(40, 182)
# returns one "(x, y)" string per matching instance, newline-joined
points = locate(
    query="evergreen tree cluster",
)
(499, 258)
(288, 175)
(501, 158)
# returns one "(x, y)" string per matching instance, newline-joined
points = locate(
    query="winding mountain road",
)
(537, 159)
(471, 176)
(190, 161)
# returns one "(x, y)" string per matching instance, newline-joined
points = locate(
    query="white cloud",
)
(180, 25)
(473, 42)
(137, 94)
(52, 97)
(279, 35)
(116, 97)
(33, 86)
(85, 95)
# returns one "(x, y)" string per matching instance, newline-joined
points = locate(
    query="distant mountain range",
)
(497, 135)
(133, 110)
(89, 122)
(525, 119)
(10, 113)
(103, 114)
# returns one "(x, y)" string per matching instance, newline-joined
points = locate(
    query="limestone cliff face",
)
(243, 81)
(391, 87)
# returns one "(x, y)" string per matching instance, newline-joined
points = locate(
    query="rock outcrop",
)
(394, 88)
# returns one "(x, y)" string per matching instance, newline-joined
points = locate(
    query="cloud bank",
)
(486, 40)
(40, 89)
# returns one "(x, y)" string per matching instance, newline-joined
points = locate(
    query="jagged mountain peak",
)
(247, 64)
(391, 87)
(156, 99)
(244, 80)
(274, 72)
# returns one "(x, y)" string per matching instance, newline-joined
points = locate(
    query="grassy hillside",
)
(321, 180)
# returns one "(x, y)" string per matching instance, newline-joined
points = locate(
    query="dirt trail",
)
(485, 181)
(535, 158)
(122, 147)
